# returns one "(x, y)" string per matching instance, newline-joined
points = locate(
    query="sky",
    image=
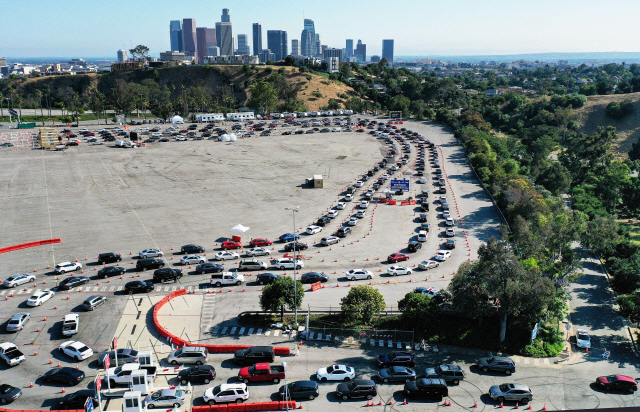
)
(89, 28)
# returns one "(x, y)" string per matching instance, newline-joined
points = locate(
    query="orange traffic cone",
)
(31, 385)
(63, 391)
(77, 367)
(544, 408)
(530, 407)
(501, 405)
(405, 401)
(50, 361)
(59, 364)
(517, 405)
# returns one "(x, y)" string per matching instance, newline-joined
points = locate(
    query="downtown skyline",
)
(418, 27)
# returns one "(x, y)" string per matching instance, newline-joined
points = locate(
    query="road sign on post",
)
(107, 362)
(115, 342)
(363, 333)
(88, 405)
(400, 185)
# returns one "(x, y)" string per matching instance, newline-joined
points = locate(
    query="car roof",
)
(363, 382)
(19, 315)
(446, 367)
(169, 392)
(226, 386)
(71, 316)
(625, 378)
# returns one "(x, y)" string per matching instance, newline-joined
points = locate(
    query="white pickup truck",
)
(121, 374)
(70, 324)
(10, 354)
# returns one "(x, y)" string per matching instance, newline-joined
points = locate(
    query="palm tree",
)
(1, 106)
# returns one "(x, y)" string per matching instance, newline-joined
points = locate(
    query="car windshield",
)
(583, 336)
(156, 395)
(352, 385)
(83, 349)
(12, 278)
(504, 388)
(330, 369)
(14, 321)
(179, 394)
(4, 389)
(490, 360)
(217, 390)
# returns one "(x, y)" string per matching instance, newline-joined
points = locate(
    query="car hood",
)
(603, 379)
(343, 388)
(411, 386)
(49, 373)
(495, 389)
(431, 373)
(383, 373)
(322, 371)
(482, 361)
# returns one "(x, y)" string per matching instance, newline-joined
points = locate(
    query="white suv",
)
(288, 263)
(225, 393)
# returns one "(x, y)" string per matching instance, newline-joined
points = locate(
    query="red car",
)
(183, 131)
(620, 383)
(90, 134)
(397, 257)
(231, 244)
(260, 242)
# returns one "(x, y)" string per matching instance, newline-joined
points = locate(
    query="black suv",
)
(253, 355)
(323, 221)
(266, 278)
(498, 364)
(149, 263)
(357, 388)
(110, 271)
(450, 373)
(165, 274)
(197, 374)
(343, 231)
(188, 249)
(108, 258)
(299, 246)
(299, 390)
(422, 217)
(138, 286)
(414, 246)
(432, 388)
(397, 359)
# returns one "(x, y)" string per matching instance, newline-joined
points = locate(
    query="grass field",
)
(634, 229)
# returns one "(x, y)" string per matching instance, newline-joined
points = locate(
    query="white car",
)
(443, 199)
(313, 229)
(336, 373)
(398, 270)
(192, 260)
(359, 274)
(446, 214)
(76, 349)
(583, 340)
(364, 204)
(147, 253)
(422, 236)
(288, 263)
(359, 183)
(333, 213)
(385, 176)
(341, 205)
(70, 324)
(226, 255)
(348, 197)
(64, 267)
(226, 393)
(449, 222)
(442, 255)
(431, 292)
(353, 220)
(361, 214)
(39, 298)
(428, 264)
(17, 280)
(258, 251)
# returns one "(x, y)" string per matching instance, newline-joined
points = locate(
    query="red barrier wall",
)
(30, 244)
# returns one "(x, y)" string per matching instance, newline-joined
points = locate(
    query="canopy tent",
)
(238, 229)
(177, 119)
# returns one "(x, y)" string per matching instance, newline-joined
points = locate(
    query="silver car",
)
(17, 321)
(511, 392)
(17, 280)
(166, 398)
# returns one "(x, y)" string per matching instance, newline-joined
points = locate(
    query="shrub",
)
(317, 94)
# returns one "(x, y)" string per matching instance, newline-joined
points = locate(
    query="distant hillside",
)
(315, 89)
(593, 115)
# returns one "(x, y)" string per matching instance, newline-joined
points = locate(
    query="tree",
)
(555, 178)
(281, 294)
(140, 53)
(263, 97)
(362, 304)
(289, 60)
(601, 235)
(634, 153)
(418, 309)
(630, 306)
(123, 97)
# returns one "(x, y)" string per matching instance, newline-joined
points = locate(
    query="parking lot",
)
(100, 199)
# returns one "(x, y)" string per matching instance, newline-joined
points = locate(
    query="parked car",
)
(192, 249)
(226, 393)
(39, 297)
(18, 321)
(313, 277)
(413, 246)
(299, 390)
(397, 257)
(111, 271)
(336, 373)
(167, 274)
(226, 255)
(226, 278)
(313, 229)
(397, 359)
(511, 392)
(78, 400)
(148, 253)
(428, 264)
(450, 373)
(64, 267)
(93, 302)
(398, 270)
(230, 244)
(138, 286)
(498, 364)
(343, 231)
(197, 374)
(209, 267)
(260, 242)
(65, 375)
(359, 274)
(396, 374)
(288, 237)
(583, 340)
(251, 265)
(442, 255)
(329, 240)
(76, 350)
(108, 258)
(192, 260)
(429, 388)
(165, 398)
(618, 383)
(289, 247)
(149, 263)
(450, 244)
(266, 278)
(188, 355)
(357, 388)
(17, 280)
(125, 355)
(258, 251)
(72, 282)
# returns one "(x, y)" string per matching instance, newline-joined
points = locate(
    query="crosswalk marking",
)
(120, 288)
(259, 332)
(233, 330)
(216, 329)
(3, 292)
(111, 288)
(267, 333)
(250, 331)
(241, 331)
(224, 330)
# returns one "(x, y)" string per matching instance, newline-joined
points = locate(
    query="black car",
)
(299, 246)
(324, 220)
(397, 359)
(110, 271)
(138, 286)
(77, 400)
(414, 246)
(422, 217)
(66, 375)
(189, 249)
(72, 282)
(125, 355)
(209, 267)
(424, 206)
(450, 244)
(266, 278)
(396, 374)
(167, 274)
(313, 277)
(108, 258)
(357, 388)
(9, 393)
(299, 390)
(430, 388)
(343, 231)
(149, 263)
(197, 374)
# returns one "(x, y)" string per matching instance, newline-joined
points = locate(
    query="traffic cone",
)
(405, 401)
(38, 329)
(380, 403)
(45, 318)
(530, 407)
(55, 307)
(517, 405)
(501, 405)
(59, 364)
(587, 350)
(50, 361)
(63, 391)
(78, 368)
(544, 408)
(475, 403)
(31, 384)
(390, 402)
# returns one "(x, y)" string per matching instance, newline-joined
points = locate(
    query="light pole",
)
(286, 387)
(294, 210)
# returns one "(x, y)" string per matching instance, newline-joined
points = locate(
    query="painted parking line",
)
(120, 288)
(259, 332)
(276, 332)
(267, 333)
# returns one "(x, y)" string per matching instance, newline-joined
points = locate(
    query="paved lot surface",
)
(99, 199)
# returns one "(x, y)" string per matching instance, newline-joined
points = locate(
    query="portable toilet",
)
(318, 181)
(139, 382)
(132, 402)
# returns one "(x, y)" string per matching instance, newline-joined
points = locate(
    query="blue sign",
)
(88, 405)
(400, 185)
(534, 332)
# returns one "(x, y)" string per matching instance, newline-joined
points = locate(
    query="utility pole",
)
(294, 210)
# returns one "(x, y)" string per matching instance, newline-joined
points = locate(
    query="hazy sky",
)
(39, 28)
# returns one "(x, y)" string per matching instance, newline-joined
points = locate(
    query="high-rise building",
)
(318, 44)
(375, 58)
(295, 47)
(189, 39)
(175, 34)
(243, 45)
(205, 38)
(122, 56)
(266, 55)
(226, 17)
(257, 38)
(361, 52)
(308, 39)
(331, 52)
(213, 51)
(226, 38)
(387, 50)
(348, 50)
(277, 43)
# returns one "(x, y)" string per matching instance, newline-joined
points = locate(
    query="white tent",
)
(177, 119)
(239, 228)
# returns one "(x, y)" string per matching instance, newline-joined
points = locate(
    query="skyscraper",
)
(226, 34)
(318, 44)
(331, 52)
(243, 44)
(308, 38)
(189, 39)
(257, 38)
(122, 56)
(387, 50)
(175, 33)
(205, 38)
(226, 17)
(277, 43)
(349, 50)
(361, 52)
(295, 47)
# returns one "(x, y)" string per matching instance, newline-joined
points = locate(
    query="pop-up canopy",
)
(239, 228)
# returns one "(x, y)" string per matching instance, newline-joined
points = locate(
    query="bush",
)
(548, 344)
(620, 110)
(316, 94)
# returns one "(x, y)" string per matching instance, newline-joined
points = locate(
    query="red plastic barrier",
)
(212, 348)
(316, 286)
(412, 202)
(270, 406)
(204, 408)
(235, 407)
(383, 200)
(281, 351)
(253, 406)
(29, 244)
(225, 349)
(392, 202)
(285, 405)
(404, 203)
(218, 408)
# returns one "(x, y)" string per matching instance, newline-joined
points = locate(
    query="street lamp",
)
(294, 210)
(286, 387)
